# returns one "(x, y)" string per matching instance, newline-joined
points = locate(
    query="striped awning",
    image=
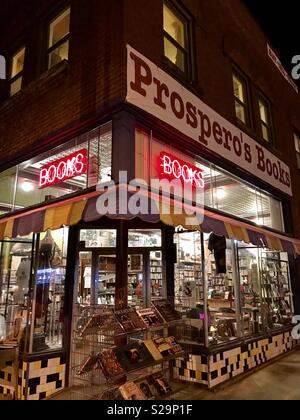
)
(85, 209)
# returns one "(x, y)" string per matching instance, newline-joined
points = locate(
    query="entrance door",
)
(98, 262)
(97, 277)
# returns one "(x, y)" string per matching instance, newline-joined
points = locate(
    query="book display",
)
(132, 365)
(265, 289)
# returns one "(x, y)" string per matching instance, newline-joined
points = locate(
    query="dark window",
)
(16, 71)
(265, 119)
(177, 38)
(241, 98)
(58, 38)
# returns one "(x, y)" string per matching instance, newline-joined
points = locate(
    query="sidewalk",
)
(277, 381)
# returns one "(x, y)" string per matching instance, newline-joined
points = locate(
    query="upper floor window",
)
(58, 38)
(265, 119)
(241, 96)
(16, 71)
(297, 146)
(177, 47)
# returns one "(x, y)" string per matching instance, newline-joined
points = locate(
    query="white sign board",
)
(154, 91)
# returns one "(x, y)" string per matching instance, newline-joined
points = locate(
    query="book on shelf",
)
(130, 391)
(110, 364)
(130, 320)
(166, 310)
(161, 347)
(150, 317)
(133, 356)
(161, 385)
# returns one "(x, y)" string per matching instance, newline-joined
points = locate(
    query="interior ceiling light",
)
(27, 186)
(221, 194)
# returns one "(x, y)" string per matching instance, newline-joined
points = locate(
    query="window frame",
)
(188, 52)
(62, 41)
(19, 75)
(263, 99)
(297, 139)
(247, 105)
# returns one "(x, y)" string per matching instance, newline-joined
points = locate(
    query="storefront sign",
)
(174, 168)
(63, 169)
(157, 93)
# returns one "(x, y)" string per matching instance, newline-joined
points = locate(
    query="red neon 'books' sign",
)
(173, 168)
(66, 168)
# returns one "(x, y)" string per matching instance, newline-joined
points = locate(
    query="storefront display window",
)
(15, 276)
(189, 285)
(228, 289)
(74, 166)
(265, 289)
(49, 292)
(221, 289)
(223, 191)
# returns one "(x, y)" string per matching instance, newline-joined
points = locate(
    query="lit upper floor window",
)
(265, 120)
(241, 101)
(16, 71)
(58, 38)
(176, 38)
(297, 146)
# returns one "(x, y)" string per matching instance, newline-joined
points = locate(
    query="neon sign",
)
(63, 169)
(173, 168)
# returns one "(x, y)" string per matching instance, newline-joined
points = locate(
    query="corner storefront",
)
(227, 272)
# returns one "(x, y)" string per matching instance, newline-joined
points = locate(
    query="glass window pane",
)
(15, 274)
(263, 110)
(174, 26)
(297, 143)
(208, 179)
(222, 296)
(50, 291)
(59, 28)
(240, 112)
(98, 238)
(17, 64)
(175, 55)
(16, 86)
(106, 287)
(239, 89)
(146, 238)
(35, 173)
(136, 281)
(265, 132)
(59, 54)
(251, 318)
(7, 188)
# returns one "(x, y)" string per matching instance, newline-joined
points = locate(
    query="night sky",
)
(280, 21)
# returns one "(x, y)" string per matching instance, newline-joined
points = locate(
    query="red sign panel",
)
(173, 168)
(66, 168)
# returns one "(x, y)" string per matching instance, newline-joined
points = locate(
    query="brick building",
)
(124, 82)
